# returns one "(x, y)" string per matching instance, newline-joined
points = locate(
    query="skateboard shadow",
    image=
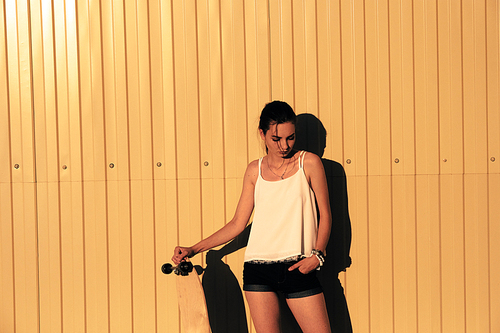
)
(226, 308)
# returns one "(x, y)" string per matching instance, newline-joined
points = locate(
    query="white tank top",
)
(285, 218)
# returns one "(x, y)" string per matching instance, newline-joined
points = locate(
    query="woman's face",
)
(279, 139)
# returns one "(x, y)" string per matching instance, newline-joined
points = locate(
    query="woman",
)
(287, 242)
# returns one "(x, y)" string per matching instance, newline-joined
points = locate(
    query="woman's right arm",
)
(232, 228)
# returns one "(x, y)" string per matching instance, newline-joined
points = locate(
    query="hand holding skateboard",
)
(181, 253)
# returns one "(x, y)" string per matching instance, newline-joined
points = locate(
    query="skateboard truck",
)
(183, 269)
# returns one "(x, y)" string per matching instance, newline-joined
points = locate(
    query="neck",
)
(277, 161)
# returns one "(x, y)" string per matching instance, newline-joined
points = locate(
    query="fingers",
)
(305, 265)
(175, 260)
(181, 253)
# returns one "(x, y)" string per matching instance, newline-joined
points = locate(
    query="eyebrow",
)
(279, 137)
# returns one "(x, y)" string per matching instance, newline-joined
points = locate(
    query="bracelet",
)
(318, 252)
(321, 257)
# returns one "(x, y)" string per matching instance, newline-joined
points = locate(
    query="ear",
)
(262, 135)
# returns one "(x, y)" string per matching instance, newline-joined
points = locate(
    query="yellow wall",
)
(126, 127)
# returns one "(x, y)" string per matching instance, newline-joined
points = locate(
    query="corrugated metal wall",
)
(126, 127)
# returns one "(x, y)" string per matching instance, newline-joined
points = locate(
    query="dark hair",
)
(276, 112)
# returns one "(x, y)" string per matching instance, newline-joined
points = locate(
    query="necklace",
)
(279, 168)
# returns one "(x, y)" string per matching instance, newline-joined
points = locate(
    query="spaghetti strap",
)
(260, 163)
(302, 154)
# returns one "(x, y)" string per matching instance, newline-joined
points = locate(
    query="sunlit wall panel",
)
(126, 128)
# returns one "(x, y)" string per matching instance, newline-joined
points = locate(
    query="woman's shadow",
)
(311, 136)
(226, 308)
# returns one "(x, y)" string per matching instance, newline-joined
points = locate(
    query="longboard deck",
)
(192, 304)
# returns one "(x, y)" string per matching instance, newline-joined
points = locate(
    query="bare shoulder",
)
(252, 171)
(313, 161)
(253, 167)
(313, 167)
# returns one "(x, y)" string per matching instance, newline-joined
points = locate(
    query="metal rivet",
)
(445, 160)
(16, 166)
(111, 165)
(64, 167)
(492, 159)
(206, 163)
(396, 160)
(348, 161)
(158, 164)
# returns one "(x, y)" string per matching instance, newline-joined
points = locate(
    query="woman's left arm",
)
(315, 174)
(317, 179)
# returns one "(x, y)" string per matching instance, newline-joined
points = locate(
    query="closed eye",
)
(278, 138)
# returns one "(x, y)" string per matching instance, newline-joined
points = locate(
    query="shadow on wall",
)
(226, 308)
(311, 136)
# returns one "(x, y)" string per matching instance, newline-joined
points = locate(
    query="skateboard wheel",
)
(185, 267)
(167, 268)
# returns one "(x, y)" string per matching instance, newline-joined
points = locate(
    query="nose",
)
(285, 145)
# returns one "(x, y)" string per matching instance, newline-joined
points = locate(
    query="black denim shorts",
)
(277, 278)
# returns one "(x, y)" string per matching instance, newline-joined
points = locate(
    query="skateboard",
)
(191, 298)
